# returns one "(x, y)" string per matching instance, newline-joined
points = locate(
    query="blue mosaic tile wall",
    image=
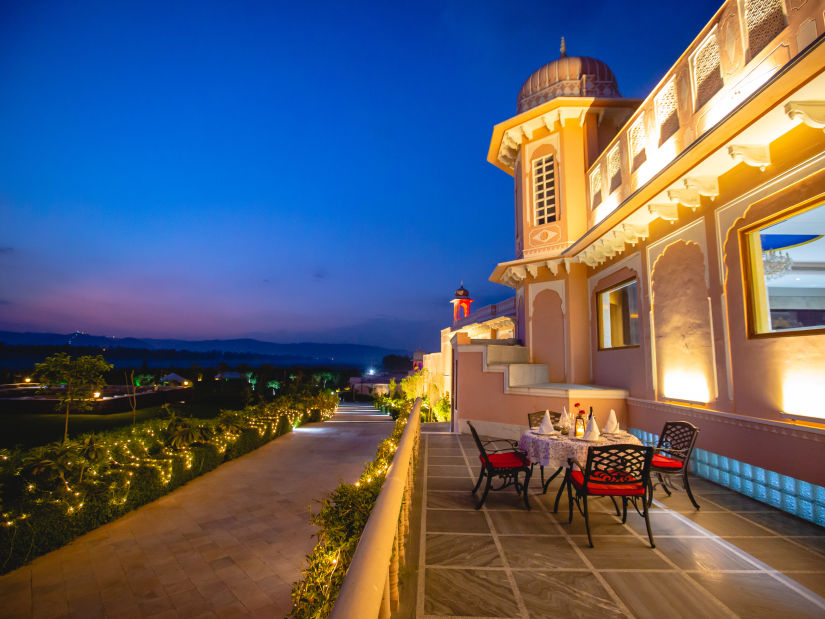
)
(786, 493)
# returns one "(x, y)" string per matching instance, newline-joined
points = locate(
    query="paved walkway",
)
(228, 544)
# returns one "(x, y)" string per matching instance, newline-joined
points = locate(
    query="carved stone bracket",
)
(688, 197)
(756, 155)
(667, 211)
(707, 186)
(812, 113)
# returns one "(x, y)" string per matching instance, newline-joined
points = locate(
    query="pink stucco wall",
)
(482, 397)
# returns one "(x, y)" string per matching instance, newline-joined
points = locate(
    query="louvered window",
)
(544, 190)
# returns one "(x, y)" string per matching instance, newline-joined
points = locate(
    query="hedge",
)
(50, 495)
(342, 518)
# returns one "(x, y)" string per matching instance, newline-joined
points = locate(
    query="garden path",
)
(227, 544)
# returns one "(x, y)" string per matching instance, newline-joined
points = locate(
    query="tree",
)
(415, 385)
(397, 363)
(131, 392)
(78, 378)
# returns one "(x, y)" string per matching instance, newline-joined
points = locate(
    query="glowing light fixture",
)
(688, 385)
(28, 380)
(803, 395)
(96, 394)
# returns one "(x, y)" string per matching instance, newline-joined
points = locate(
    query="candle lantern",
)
(579, 425)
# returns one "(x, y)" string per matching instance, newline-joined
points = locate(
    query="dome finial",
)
(563, 48)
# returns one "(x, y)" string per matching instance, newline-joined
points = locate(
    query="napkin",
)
(592, 432)
(612, 425)
(546, 426)
(564, 420)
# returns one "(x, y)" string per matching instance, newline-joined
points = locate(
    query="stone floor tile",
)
(725, 524)
(468, 592)
(469, 551)
(621, 553)
(779, 554)
(663, 594)
(691, 553)
(758, 595)
(565, 594)
(541, 553)
(456, 521)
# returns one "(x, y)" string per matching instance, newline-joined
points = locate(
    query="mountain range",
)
(311, 353)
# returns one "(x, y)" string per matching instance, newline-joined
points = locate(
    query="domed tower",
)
(567, 112)
(461, 303)
(569, 76)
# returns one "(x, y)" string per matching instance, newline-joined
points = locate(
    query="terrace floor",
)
(734, 557)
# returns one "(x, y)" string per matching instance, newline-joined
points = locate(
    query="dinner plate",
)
(540, 434)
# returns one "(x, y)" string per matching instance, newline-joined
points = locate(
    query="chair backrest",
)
(679, 436)
(618, 465)
(534, 419)
(479, 444)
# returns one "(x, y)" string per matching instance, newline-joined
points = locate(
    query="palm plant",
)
(91, 453)
(47, 465)
(180, 433)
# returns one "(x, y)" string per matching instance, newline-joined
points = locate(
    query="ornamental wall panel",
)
(682, 331)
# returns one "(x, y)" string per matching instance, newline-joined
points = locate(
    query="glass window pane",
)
(788, 278)
(619, 316)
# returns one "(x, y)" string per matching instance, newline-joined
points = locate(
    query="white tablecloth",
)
(554, 451)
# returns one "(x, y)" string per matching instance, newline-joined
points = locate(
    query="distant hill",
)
(310, 352)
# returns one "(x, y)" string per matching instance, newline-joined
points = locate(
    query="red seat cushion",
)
(606, 488)
(665, 462)
(506, 460)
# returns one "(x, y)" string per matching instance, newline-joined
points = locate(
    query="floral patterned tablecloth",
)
(554, 451)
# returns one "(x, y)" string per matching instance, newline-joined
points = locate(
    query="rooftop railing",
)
(370, 587)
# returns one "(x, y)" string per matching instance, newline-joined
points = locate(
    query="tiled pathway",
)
(735, 557)
(228, 544)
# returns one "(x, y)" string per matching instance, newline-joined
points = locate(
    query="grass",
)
(30, 429)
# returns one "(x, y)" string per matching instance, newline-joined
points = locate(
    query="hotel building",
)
(669, 255)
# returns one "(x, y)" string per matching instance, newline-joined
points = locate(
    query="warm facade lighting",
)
(688, 385)
(803, 395)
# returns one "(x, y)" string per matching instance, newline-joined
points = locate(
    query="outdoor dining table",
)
(560, 450)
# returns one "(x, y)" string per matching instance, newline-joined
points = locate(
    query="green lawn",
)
(30, 429)
(38, 429)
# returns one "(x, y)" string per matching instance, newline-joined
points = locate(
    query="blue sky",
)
(287, 171)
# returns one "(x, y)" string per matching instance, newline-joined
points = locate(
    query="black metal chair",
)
(613, 471)
(505, 464)
(672, 456)
(534, 421)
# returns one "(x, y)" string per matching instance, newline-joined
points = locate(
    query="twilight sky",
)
(289, 171)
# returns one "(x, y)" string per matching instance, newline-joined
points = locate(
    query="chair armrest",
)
(511, 444)
(578, 464)
(678, 452)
